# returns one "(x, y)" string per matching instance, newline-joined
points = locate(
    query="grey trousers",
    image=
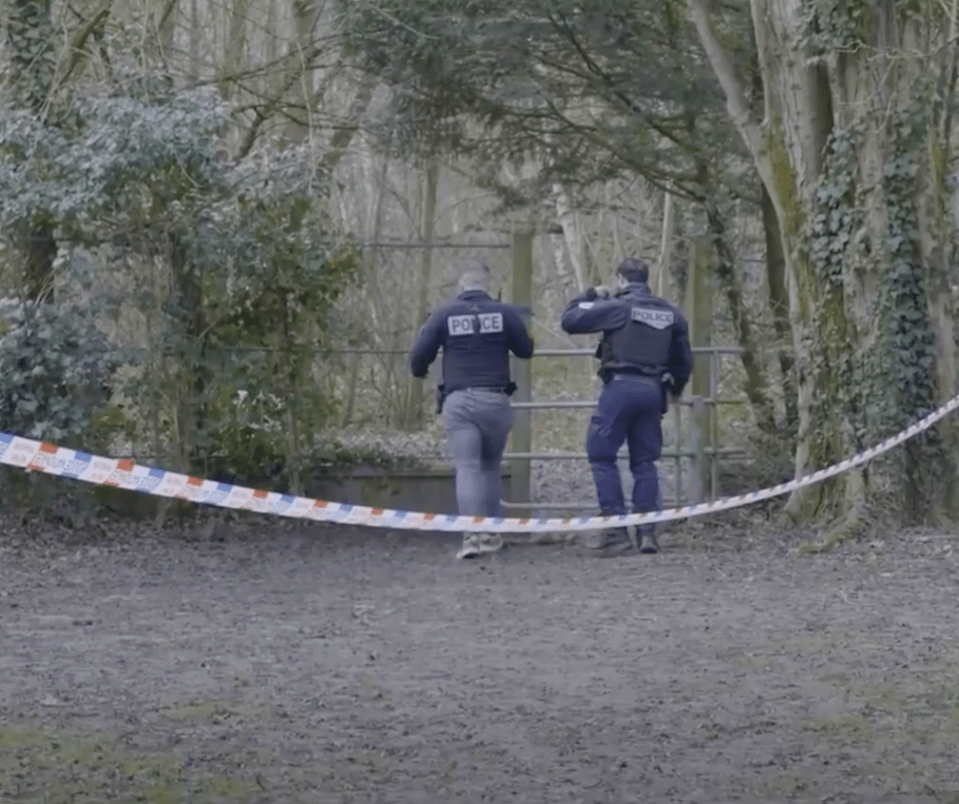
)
(478, 424)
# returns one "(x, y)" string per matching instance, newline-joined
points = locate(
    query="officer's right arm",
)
(427, 345)
(518, 338)
(599, 315)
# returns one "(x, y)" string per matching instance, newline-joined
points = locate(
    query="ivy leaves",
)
(56, 366)
(845, 244)
(118, 157)
(911, 336)
(31, 38)
(236, 266)
(838, 217)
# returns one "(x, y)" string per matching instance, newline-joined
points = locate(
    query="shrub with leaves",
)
(55, 367)
(55, 373)
(227, 269)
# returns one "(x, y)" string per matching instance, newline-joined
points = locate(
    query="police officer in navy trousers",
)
(477, 334)
(644, 357)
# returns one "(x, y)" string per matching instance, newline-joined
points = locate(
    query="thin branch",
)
(81, 36)
(399, 23)
(736, 102)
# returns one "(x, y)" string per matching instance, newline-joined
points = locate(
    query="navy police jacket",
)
(477, 334)
(642, 334)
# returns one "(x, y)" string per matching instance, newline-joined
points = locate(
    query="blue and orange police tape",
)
(42, 457)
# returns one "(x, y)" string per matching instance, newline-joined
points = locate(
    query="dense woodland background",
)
(224, 222)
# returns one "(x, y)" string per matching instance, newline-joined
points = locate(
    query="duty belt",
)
(628, 375)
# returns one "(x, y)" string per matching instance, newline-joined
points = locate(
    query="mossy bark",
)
(779, 305)
(862, 233)
(756, 385)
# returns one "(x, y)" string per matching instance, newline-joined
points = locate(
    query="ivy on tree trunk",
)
(851, 158)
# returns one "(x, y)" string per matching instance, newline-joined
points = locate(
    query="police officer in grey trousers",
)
(477, 334)
(645, 357)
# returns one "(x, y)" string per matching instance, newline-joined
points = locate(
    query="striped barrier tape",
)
(41, 457)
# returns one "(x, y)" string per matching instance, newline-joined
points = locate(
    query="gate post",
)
(694, 441)
(699, 313)
(521, 439)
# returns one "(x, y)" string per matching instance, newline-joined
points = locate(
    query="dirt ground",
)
(343, 665)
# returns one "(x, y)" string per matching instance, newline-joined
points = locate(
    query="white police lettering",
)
(586, 305)
(491, 322)
(659, 319)
(460, 324)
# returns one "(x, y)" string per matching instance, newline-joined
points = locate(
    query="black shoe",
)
(649, 543)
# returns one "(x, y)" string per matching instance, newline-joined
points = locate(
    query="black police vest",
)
(642, 345)
(475, 344)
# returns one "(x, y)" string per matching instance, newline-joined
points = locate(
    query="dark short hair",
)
(633, 270)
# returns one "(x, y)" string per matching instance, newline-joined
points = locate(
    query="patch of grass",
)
(47, 765)
(813, 643)
(24, 739)
(838, 679)
(776, 788)
(846, 728)
(201, 711)
(351, 771)
(883, 696)
(889, 720)
(748, 660)
(61, 767)
(554, 735)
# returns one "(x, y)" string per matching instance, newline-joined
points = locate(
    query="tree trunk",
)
(572, 236)
(413, 408)
(76, 50)
(342, 138)
(192, 385)
(290, 375)
(235, 50)
(665, 245)
(303, 52)
(779, 305)
(36, 250)
(195, 32)
(937, 230)
(163, 27)
(848, 156)
(756, 386)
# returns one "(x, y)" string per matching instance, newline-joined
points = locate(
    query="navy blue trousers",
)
(630, 410)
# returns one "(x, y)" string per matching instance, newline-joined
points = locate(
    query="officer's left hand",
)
(598, 291)
(670, 387)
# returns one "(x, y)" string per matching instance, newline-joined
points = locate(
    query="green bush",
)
(56, 369)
